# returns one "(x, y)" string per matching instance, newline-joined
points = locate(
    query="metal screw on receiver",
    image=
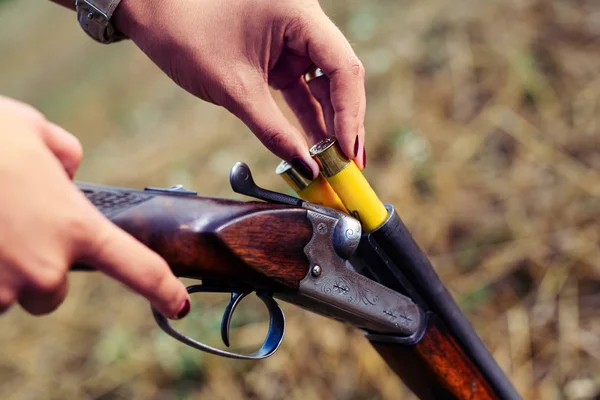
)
(316, 271)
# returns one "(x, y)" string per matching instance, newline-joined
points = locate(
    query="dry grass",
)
(483, 130)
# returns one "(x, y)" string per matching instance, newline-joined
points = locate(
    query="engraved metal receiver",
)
(333, 287)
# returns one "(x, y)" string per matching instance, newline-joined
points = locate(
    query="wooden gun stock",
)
(197, 238)
(435, 366)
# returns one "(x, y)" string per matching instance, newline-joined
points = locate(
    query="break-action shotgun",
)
(318, 258)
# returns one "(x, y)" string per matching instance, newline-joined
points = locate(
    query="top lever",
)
(242, 182)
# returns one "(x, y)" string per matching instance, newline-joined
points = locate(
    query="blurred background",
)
(483, 129)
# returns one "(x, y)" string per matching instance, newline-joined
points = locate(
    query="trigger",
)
(229, 310)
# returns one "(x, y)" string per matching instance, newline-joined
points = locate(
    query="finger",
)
(361, 154)
(361, 159)
(116, 253)
(4, 307)
(38, 301)
(9, 284)
(64, 146)
(7, 294)
(263, 116)
(306, 108)
(6, 300)
(319, 88)
(326, 46)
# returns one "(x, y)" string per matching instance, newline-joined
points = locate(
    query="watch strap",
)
(94, 17)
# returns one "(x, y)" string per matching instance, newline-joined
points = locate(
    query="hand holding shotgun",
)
(46, 224)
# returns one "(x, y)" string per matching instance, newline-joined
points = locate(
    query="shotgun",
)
(321, 259)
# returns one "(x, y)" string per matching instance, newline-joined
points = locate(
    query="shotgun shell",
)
(317, 191)
(350, 184)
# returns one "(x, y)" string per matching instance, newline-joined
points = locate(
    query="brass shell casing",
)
(317, 191)
(350, 184)
(292, 177)
(329, 157)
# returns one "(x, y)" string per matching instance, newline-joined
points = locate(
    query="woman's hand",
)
(47, 224)
(228, 52)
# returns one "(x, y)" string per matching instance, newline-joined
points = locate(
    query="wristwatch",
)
(94, 17)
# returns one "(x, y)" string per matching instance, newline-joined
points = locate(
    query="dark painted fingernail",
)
(184, 310)
(364, 158)
(301, 166)
(356, 145)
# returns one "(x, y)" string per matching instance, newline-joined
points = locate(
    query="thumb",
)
(65, 147)
(119, 255)
(263, 116)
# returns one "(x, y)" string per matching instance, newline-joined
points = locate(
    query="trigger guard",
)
(270, 345)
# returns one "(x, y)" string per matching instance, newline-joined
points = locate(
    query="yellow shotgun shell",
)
(350, 184)
(317, 191)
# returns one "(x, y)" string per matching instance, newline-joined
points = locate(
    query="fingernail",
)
(364, 158)
(184, 310)
(356, 147)
(301, 166)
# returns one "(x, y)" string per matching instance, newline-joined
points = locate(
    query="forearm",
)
(65, 3)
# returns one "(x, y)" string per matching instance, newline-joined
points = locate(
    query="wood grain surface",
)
(245, 243)
(436, 367)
